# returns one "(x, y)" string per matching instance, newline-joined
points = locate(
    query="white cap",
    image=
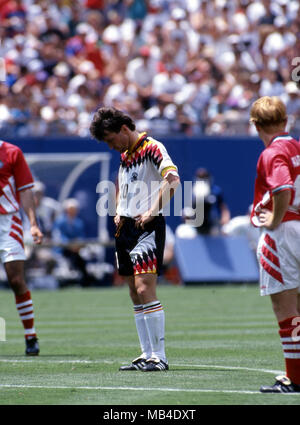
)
(74, 100)
(77, 81)
(83, 28)
(86, 66)
(70, 203)
(291, 88)
(178, 13)
(35, 65)
(280, 21)
(47, 113)
(61, 69)
(111, 34)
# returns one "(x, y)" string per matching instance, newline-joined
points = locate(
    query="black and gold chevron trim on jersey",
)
(147, 150)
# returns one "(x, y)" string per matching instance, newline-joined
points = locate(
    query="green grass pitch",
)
(222, 343)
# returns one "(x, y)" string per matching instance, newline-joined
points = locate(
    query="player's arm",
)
(281, 202)
(225, 214)
(27, 202)
(117, 217)
(165, 194)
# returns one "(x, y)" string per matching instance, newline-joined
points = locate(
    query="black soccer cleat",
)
(155, 365)
(136, 364)
(282, 385)
(32, 347)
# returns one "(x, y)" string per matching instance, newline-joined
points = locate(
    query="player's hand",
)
(142, 219)
(117, 219)
(266, 219)
(36, 234)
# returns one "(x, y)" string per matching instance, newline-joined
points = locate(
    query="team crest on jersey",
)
(134, 177)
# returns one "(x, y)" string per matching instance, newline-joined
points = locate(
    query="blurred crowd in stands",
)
(176, 66)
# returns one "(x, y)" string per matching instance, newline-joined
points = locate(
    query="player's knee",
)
(134, 296)
(142, 291)
(283, 310)
(17, 283)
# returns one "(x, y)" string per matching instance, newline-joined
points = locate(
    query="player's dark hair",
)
(109, 119)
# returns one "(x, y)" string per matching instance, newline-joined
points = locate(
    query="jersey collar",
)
(138, 142)
(283, 136)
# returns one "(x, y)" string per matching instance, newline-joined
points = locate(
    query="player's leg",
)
(141, 328)
(155, 320)
(279, 278)
(285, 307)
(15, 276)
(285, 304)
(125, 268)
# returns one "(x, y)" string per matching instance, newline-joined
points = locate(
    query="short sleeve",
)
(21, 171)
(166, 165)
(278, 176)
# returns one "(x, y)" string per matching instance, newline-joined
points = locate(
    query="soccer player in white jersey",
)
(15, 188)
(147, 180)
(276, 209)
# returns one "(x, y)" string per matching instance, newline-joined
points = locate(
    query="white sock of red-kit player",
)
(290, 339)
(25, 309)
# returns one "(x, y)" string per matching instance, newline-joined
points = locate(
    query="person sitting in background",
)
(216, 212)
(186, 230)
(241, 226)
(47, 208)
(69, 230)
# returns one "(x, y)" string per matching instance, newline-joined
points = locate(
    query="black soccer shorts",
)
(140, 250)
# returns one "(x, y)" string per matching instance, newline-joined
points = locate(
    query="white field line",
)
(64, 387)
(83, 361)
(181, 390)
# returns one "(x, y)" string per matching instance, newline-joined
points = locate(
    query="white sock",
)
(142, 331)
(155, 322)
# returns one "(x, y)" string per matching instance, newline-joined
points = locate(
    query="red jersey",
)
(278, 168)
(15, 176)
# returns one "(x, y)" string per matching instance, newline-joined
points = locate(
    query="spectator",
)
(185, 230)
(216, 212)
(140, 72)
(47, 209)
(161, 121)
(69, 231)
(293, 104)
(242, 226)
(193, 49)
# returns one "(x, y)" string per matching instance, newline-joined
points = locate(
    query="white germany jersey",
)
(140, 175)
